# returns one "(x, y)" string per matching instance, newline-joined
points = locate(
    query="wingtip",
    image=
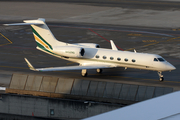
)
(6, 24)
(113, 46)
(29, 65)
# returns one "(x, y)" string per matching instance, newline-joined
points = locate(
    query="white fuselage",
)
(121, 59)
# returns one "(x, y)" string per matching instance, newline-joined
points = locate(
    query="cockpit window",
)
(155, 59)
(161, 59)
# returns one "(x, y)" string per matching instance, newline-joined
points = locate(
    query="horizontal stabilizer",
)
(23, 24)
(39, 21)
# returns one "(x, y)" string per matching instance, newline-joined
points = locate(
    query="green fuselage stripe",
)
(36, 33)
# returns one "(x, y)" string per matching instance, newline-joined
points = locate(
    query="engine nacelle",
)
(69, 51)
(91, 45)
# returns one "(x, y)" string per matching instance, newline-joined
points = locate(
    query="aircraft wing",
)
(89, 66)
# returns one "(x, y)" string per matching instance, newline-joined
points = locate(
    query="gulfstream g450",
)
(89, 55)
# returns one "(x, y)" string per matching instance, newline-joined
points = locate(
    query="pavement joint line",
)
(106, 29)
(147, 79)
(6, 39)
(135, 78)
(160, 3)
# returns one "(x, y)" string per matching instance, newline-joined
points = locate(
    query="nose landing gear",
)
(161, 78)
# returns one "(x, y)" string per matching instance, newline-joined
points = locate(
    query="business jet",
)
(90, 55)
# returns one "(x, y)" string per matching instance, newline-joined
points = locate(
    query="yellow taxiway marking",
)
(6, 39)
(70, 63)
(129, 49)
(169, 40)
(153, 42)
(14, 67)
(140, 35)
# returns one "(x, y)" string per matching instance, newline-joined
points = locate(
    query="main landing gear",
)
(99, 70)
(84, 72)
(161, 78)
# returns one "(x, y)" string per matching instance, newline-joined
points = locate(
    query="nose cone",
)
(170, 67)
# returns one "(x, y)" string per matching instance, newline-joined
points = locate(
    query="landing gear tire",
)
(84, 73)
(99, 70)
(161, 79)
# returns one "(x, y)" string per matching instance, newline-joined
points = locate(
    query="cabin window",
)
(118, 59)
(161, 59)
(104, 57)
(97, 56)
(126, 59)
(133, 60)
(111, 58)
(155, 59)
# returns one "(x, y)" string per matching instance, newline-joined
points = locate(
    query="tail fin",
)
(42, 34)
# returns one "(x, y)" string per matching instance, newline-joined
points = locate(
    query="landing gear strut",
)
(161, 78)
(99, 70)
(84, 72)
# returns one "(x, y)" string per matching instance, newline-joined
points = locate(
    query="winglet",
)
(113, 45)
(29, 65)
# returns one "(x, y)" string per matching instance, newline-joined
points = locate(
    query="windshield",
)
(159, 59)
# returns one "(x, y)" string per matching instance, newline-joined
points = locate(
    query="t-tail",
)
(43, 36)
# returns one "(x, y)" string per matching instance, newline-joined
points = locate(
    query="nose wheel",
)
(161, 78)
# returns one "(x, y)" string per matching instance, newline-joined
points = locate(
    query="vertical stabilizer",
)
(42, 34)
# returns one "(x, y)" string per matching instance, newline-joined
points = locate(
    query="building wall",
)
(41, 107)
